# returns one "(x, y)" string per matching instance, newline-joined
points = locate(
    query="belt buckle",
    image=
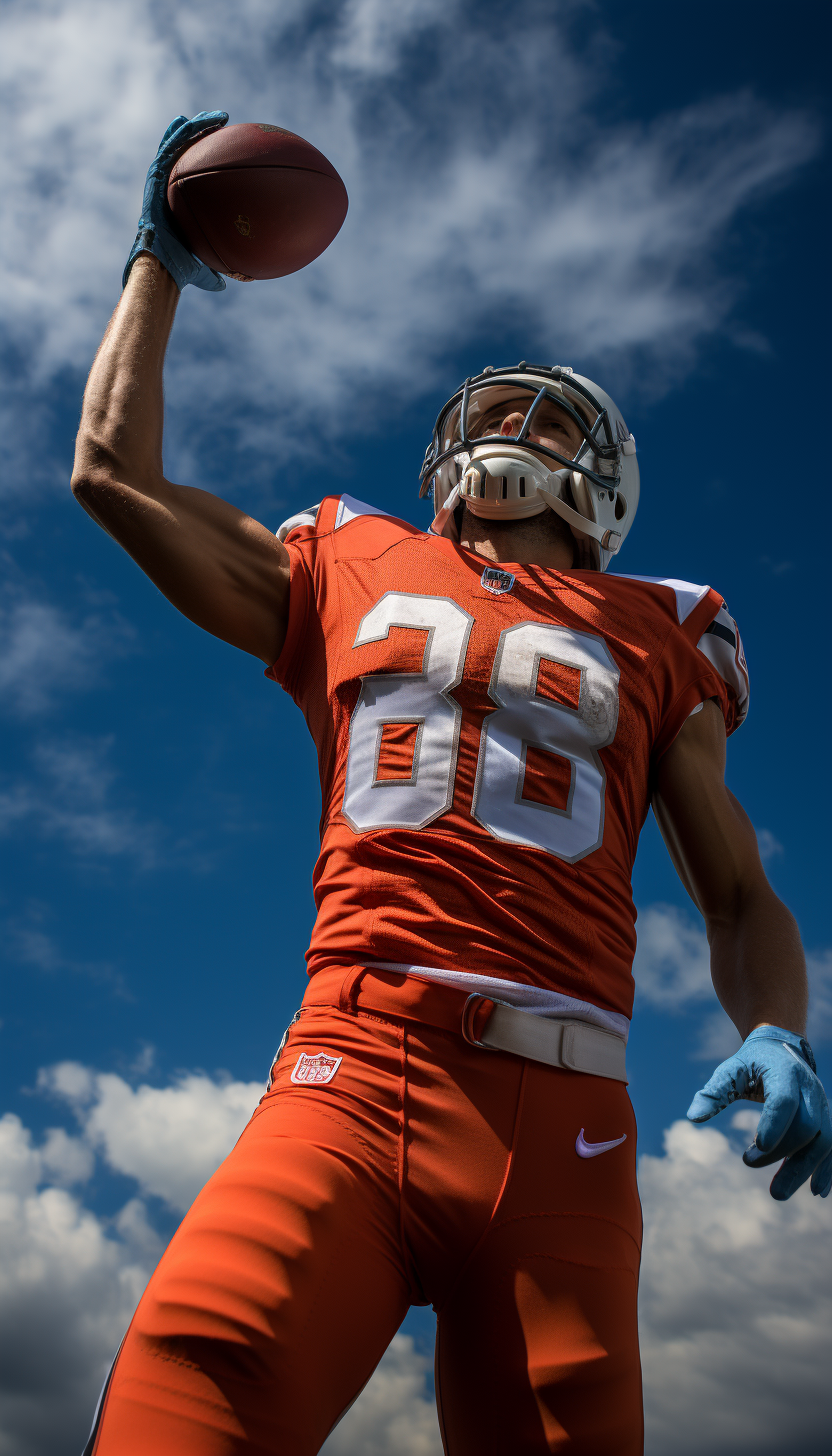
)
(468, 1011)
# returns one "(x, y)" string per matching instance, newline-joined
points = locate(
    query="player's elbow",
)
(91, 487)
(99, 475)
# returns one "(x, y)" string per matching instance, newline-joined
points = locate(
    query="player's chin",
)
(240, 277)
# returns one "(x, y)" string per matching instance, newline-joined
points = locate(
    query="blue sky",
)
(638, 190)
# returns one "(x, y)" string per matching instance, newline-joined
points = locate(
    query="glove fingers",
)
(174, 126)
(822, 1178)
(210, 281)
(200, 125)
(188, 132)
(798, 1168)
(786, 1125)
(753, 1157)
(210, 119)
(783, 1108)
(729, 1081)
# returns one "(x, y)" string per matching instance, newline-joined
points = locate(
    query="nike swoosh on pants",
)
(591, 1150)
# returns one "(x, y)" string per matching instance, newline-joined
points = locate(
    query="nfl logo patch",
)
(497, 581)
(315, 1068)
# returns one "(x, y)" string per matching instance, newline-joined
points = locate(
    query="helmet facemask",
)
(512, 477)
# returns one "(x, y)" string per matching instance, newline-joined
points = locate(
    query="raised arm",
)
(221, 568)
(757, 962)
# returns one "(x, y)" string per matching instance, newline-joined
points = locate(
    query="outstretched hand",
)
(777, 1068)
(157, 232)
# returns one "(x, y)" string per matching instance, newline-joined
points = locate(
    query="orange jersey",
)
(486, 738)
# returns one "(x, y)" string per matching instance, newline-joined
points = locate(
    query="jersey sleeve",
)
(721, 644)
(305, 537)
(703, 659)
(316, 539)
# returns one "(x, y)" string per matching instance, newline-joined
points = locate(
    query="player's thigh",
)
(537, 1346)
(537, 1351)
(276, 1298)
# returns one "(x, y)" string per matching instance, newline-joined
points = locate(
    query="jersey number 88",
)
(522, 719)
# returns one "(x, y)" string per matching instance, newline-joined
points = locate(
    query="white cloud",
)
(736, 1305)
(38, 651)
(66, 1160)
(67, 1292)
(819, 970)
(769, 845)
(735, 1293)
(43, 653)
(170, 1139)
(672, 964)
(372, 32)
(672, 973)
(716, 1037)
(70, 798)
(394, 1415)
(472, 205)
(27, 942)
(746, 1120)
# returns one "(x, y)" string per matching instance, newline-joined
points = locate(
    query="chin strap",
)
(442, 517)
(610, 540)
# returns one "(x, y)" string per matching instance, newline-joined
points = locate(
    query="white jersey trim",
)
(535, 999)
(349, 509)
(688, 595)
(306, 517)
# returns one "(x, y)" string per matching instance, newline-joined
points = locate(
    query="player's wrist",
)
(146, 262)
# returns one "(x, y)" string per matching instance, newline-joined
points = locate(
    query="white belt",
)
(571, 1044)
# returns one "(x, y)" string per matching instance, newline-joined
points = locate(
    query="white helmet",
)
(507, 477)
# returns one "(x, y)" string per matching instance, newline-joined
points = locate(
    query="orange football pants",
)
(427, 1170)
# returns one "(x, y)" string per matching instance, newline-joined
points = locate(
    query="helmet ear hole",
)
(620, 507)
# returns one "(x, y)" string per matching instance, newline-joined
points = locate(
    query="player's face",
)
(551, 425)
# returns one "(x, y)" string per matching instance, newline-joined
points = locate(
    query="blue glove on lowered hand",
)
(157, 230)
(777, 1068)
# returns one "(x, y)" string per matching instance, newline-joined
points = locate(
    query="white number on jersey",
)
(408, 697)
(523, 719)
(526, 720)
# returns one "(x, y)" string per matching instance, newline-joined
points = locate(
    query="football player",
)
(447, 1119)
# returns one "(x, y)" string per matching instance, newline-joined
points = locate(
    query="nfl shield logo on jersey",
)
(497, 581)
(315, 1068)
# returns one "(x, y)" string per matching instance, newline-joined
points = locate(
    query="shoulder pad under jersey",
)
(720, 642)
(349, 509)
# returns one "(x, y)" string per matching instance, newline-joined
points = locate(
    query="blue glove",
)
(777, 1068)
(157, 230)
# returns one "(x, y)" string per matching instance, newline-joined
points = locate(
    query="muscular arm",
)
(757, 962)
(221, 568)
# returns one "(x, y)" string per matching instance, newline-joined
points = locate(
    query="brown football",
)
(255, 201)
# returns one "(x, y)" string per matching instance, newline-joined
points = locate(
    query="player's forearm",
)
(757, 963)
(120, 435)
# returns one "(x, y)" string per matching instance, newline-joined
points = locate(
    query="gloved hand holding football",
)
(250, 201)
(157, 232)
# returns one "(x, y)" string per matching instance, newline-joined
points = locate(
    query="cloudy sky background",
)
(632, 189)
